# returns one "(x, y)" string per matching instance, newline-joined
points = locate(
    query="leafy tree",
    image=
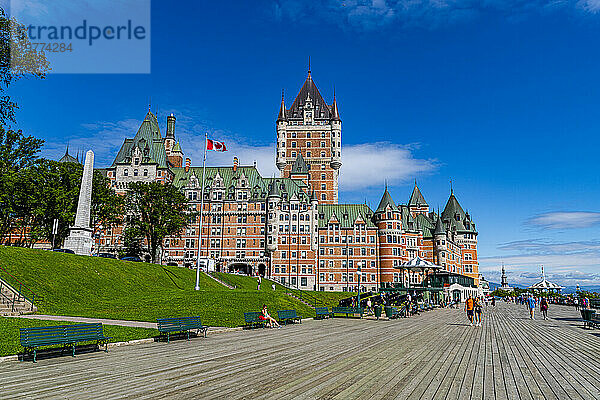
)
(156, 211)
(18, 59)
(107, 206)
(49, 190)
(18, 153)
(132, 242)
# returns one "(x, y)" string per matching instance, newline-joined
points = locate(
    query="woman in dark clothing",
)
(544, 307)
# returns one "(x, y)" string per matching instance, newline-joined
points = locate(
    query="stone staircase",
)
(12, 303)
(220, 281)
(301, 301)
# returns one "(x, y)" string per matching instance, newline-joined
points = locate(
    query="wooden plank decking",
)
(431, 356)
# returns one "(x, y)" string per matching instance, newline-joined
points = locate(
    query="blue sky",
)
(499, 96)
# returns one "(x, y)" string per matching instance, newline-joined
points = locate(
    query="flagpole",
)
(201, 210)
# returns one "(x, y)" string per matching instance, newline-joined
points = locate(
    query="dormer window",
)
(136, 161)
(135, 172)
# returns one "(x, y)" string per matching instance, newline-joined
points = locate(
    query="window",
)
(303, 281)
(323, 197)
(145, 172)
(125, 172)
(308, 154)
(323, 177)
(293, 145)
(323, 186)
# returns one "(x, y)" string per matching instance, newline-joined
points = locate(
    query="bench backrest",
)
(347, 310)
(286, 314)
(60, 334)
(252, 317)
(321, 310)
(182, 323)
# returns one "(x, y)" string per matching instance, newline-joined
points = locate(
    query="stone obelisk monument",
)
(80, 235)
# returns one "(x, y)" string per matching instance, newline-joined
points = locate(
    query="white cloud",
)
(565, 219)
(592, 6)
(368, 165)
(374, 14)
(566, 263)
(103, 138)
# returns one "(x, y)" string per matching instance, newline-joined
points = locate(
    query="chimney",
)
(171, 126)
(188, 163)
(235, 164)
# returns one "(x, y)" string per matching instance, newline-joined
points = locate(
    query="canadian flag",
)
(216, 146)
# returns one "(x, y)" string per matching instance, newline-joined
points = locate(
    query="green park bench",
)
(286, 316)
(347, 310)
(252, 320)
(180, 324)
(322, 313)
(65, 335)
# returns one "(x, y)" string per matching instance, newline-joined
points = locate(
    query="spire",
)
(416, 198)
(282, 116)
(439, 227)
(385, 201)
(309, 66)
(299, 166)
(335, 115)
(273, 189)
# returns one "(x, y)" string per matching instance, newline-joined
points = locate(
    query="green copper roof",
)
(417, 197)
(385, 201)
(455, 218)
(177, 148)
(300, 166)
(439, 227)
(346, 214)
(148, 140)
(258, 186)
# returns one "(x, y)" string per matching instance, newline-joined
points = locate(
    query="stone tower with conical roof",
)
(313, 129)
(388, 219)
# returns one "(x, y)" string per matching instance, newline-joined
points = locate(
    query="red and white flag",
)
(216, 146)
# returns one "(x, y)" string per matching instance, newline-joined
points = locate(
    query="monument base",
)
(80, 241)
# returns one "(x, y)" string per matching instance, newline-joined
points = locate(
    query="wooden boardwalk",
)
(431, 356)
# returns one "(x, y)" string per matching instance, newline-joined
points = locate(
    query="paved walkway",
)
(133, 324)
(431, 356)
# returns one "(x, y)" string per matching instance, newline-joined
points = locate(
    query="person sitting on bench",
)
(266, 317)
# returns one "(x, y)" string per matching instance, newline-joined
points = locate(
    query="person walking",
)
(369, 309)
(259, 282)
(544, 308)
(469, 305)
(576, 302)
(531, 304)
(478, 308)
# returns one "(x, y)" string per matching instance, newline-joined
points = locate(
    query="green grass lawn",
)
(9, 332)
(67, 284)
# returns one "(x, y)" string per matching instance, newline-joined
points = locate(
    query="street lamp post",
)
(358, 272)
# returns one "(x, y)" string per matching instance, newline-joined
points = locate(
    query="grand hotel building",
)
(293, 228)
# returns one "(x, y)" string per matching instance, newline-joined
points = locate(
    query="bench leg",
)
(73, 350)
(168, 338)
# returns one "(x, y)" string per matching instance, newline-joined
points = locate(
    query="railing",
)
(12, 283)
(305, 296)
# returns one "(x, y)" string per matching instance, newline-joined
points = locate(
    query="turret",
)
(273, 198)
(171, 126)
(336, 139)
(439, 240)
(281, 135)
